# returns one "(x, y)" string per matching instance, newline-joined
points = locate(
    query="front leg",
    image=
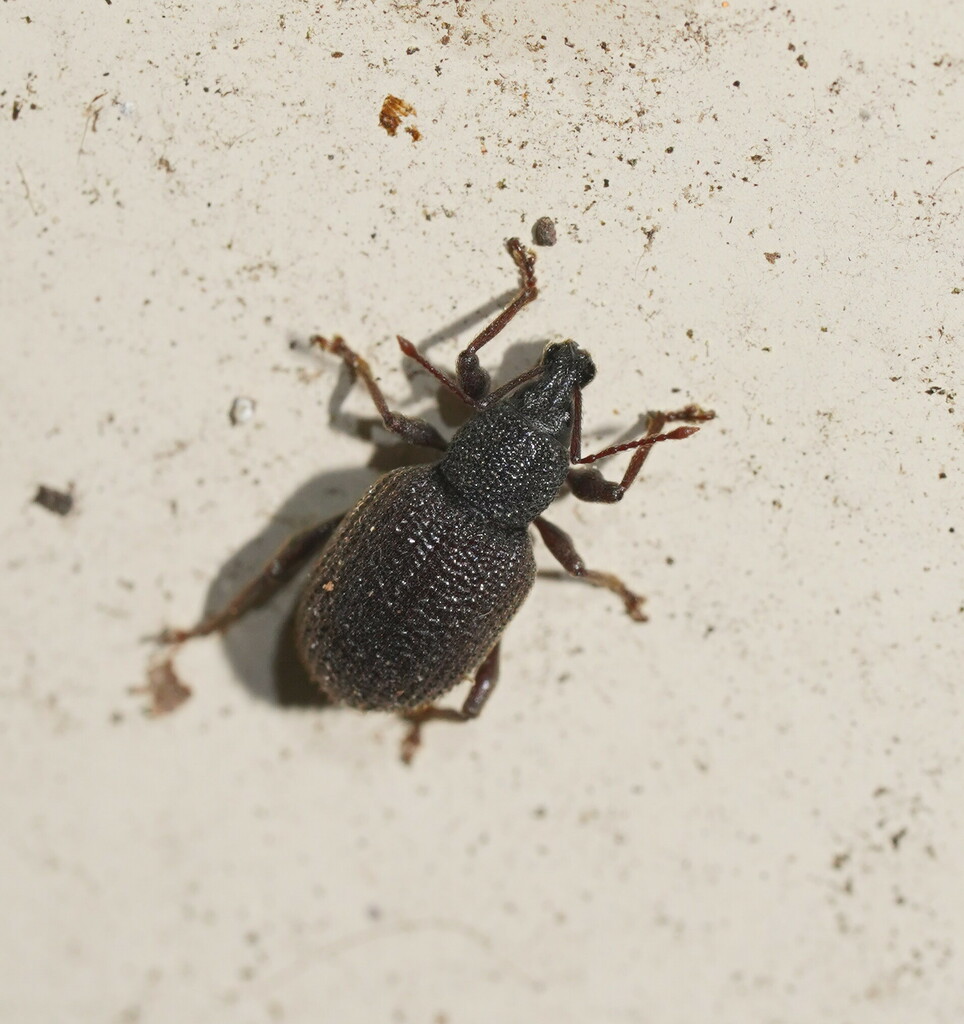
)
(473, 380)
(412, 429)
(591, 485)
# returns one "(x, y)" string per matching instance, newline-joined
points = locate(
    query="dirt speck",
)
(771, 257)
(58, 502)
(165, 691)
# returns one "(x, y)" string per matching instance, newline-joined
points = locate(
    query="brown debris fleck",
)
(772, 257)
(164, 689)
(393, 110)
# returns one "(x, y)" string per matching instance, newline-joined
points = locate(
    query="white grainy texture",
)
(746, 810)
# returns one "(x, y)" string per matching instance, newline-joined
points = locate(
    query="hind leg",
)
(486, 676)
(282, 567)
(163, 687)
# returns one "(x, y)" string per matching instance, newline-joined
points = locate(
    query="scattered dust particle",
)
(17, 107)
(772, 257)
(414, 132)
(392, 112)
(329, 586)
(242, 409)
(166, 692)
(544, 231)
(757, 159)
(955, 291)
(802, 61)
(165, 165)
(669, 149)
(336, 54)
(689, 332)
(58, 502)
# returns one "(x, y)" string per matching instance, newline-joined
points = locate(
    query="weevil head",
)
(510, 460)
(547, 400)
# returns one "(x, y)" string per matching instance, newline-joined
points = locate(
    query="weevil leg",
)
(590, 485)
(409, 428)
(486, 676)
(281, 568)
(473, 380)
(441, 376)
(561, 547)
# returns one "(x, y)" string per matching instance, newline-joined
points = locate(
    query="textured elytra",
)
(410, 594)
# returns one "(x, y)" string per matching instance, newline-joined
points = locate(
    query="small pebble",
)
(544, 231)
(242, 409)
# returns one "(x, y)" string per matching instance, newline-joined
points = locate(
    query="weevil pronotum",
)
(412, 588)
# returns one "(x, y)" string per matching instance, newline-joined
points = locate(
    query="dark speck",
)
(58, 502)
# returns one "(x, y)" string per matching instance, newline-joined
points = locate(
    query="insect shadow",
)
(261, 650)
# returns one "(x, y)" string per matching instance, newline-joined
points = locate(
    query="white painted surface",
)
(748, 809)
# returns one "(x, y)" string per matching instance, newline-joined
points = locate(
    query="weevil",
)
(412, 589)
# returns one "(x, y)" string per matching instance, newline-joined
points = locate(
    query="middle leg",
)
(564, 551)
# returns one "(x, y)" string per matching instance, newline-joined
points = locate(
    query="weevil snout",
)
(548, 399)
(567, 359)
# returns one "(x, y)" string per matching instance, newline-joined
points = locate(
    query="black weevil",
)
(414, 586)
